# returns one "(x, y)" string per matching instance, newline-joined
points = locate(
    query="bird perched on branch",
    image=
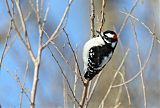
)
(97, 52)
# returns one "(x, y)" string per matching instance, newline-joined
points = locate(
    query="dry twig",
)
(75, 57)
(140, 64)
(92, 17)
(22, 90)
(65, 77)
(143, 67)
(115, 75)
(84, 94)
(102, 15)
(53, 36)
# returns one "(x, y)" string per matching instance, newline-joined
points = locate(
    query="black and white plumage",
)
(97, 52)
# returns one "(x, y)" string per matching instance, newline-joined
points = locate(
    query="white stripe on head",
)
(109, 35)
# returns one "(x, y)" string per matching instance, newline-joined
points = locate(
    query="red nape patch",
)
(115, 37)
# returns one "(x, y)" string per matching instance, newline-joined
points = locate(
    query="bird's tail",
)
(89, 75)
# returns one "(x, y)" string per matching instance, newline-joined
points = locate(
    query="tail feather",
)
(89, 75)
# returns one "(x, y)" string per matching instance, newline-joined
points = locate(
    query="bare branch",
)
(25, 30)
(14, 23)
(145, 26)
(38, 58)
(102, 15)
(92, 17)
(22, 90)
(6, 42)
(127, 91)
(115, 75)
(126, 18)
(140, 64)
(84, 94)
(53, 36)
(16, 78)
(75, 57)
(60, 53)
(93, 88)
(117, 106)
(75, 82)
(119, 92)
(143, 67)
(65, 77)
(65, 93)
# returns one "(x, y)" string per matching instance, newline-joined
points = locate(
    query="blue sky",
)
(78, 28)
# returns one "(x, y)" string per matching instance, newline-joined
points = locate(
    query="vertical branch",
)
(127, 16)
(75, 82)
(115, 75)
(84, 94)
(37, 60)
(11, 14)
(150, 50)
(140, 64)
(86, 84)
(6, 42)
(75, 57)
(53, 36)
(22, 90)
(41, 7)
(35, 80)
(65, 77)
(117, 99)
(16, 78)
(123, 80)
(65, 93)
(92, 17)
(93, 88)
(24, 30)
(102, 15)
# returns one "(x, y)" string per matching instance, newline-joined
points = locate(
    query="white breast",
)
(98, 41)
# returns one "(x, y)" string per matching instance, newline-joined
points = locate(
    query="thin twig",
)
(65, 77)
(102, 15)
(127, 91)
(41, 7)
(143, 24)
(143, 67)
(35, 10)
(116, 106)
(140, 64)
(18, 81)
(6, 42)
(84, 94)
(14, 23)
(115, 75)
(25, 30)
(93, 88)
(75, 57)
(38, 59)
(65, 93)
(127, 16)
(92, 17)
(75, 82)
(117, 99)
(22, 90)
(60, 53)
(53, 36)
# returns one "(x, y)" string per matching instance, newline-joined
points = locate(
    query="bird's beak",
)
(98, 32)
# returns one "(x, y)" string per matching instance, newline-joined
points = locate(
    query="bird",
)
(97, 52)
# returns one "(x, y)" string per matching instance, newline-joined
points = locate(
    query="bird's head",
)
(108, 36)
